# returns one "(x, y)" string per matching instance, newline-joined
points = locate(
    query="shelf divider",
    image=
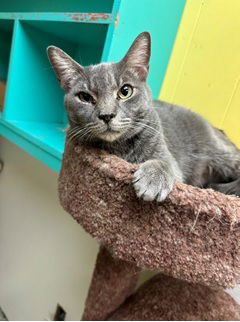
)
(100, 18)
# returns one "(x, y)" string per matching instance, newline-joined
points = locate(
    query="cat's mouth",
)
(110, 130)
(110, 134)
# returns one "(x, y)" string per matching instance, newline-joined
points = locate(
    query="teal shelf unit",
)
(91, 31)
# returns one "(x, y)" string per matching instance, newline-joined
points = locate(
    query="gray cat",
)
(110, 106)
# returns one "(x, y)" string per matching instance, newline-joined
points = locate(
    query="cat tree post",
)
(112, 282)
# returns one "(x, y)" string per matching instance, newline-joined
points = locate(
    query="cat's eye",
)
(125, 92)
(86, 98)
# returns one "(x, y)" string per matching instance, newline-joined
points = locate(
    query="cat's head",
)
(105, 101)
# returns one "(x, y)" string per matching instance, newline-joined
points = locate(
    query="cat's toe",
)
(143, 187)
(150, 192)
(162, 195)
(143, 192)
(149, 195)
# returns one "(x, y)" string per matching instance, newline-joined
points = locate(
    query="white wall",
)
(45, 256)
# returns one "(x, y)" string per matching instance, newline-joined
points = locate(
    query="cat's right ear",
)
(66, 69)
(138, 56)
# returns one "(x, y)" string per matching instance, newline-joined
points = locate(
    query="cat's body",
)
(110, 106)
(204, 155)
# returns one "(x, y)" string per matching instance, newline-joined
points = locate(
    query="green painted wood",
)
(56, 6)
(110, 32)
(161, 18)
(99, 18)
(48, 136)
(31, 141)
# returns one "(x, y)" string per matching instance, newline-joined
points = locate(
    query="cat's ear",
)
(138, 55)
(64, 66)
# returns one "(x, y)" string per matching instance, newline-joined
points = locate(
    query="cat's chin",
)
(110, 136)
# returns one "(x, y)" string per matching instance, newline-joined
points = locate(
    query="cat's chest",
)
(134, 152)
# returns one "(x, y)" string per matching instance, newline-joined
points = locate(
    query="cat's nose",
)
(106, 117)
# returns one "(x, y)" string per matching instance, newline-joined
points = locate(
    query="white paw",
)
(152, 183)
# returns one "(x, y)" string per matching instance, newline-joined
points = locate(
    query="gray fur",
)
(170, 142)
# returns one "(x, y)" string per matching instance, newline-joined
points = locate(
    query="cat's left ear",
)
(66, 68)
(138, 56)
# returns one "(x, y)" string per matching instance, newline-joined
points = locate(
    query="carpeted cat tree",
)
(192, 239)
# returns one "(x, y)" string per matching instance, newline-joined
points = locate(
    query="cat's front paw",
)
(152, 181)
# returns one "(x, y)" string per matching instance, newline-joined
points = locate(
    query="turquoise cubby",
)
(6, 30)
(90, 31)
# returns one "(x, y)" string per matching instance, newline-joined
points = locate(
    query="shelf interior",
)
(6, 31)
(37, 94)
(34, 116)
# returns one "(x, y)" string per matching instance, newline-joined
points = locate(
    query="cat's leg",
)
(226, 172)
(230, 188)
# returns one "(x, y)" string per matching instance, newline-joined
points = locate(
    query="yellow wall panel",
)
(204, 68)
(231, 120)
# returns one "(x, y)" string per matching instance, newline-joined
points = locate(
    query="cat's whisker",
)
(70, 129)
(148, 129)
(147, 126)
(141, 120)
(70, 133)
(120, 127)
(74, 130)
(89, 133)
(128, 120)
(90, 136)
(92, 133)
(78, 125)
(80, 132)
